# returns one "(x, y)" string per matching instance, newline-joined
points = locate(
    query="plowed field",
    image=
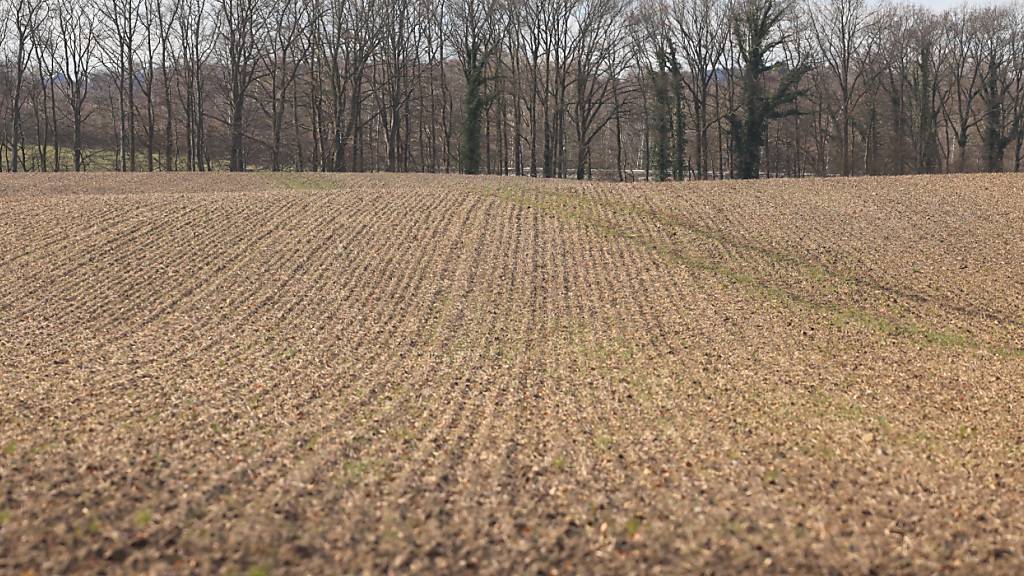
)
(264, 374)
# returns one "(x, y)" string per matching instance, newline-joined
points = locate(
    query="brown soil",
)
(275, 374)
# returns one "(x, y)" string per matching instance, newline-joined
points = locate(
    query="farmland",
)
(264, 374)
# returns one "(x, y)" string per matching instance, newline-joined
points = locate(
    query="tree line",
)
(614, 89)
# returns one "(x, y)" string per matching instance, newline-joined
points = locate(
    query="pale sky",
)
(944, 4)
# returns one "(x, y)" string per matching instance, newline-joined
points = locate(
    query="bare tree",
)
(166, 11)
(548, 41)
(6, 16)
(655, 56)
(527, 23)
(963, 76)
(676, 88)
(242, 26)
(25, 17)
(119, 41)
(838, 29)
(394, 88)
(43, 94)
(196, 33)
(759, 27)
(1017, 91)
(926, 89)
(149, 20)
(76, 22)
(284, 54)
(474, 29)
(596, 63)
(702, 28)
(996, 35)
(351, 33)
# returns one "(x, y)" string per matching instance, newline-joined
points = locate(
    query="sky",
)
(944, 4)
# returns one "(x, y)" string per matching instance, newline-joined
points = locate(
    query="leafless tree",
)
(44, 92)
(474, 29)
(119, 40)
(196, 32)
(596, 64)
(76, 22)
(166, 12)
(242, 28)
(676, 88)
(25, 17)
(393, 85)
(283, 56)
(963, 71)
(702, 28)
(150, 18)
(6, 16)
(926, 89)
(997, 32)
(838, 28)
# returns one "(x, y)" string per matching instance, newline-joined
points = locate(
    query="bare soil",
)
(277, 374)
